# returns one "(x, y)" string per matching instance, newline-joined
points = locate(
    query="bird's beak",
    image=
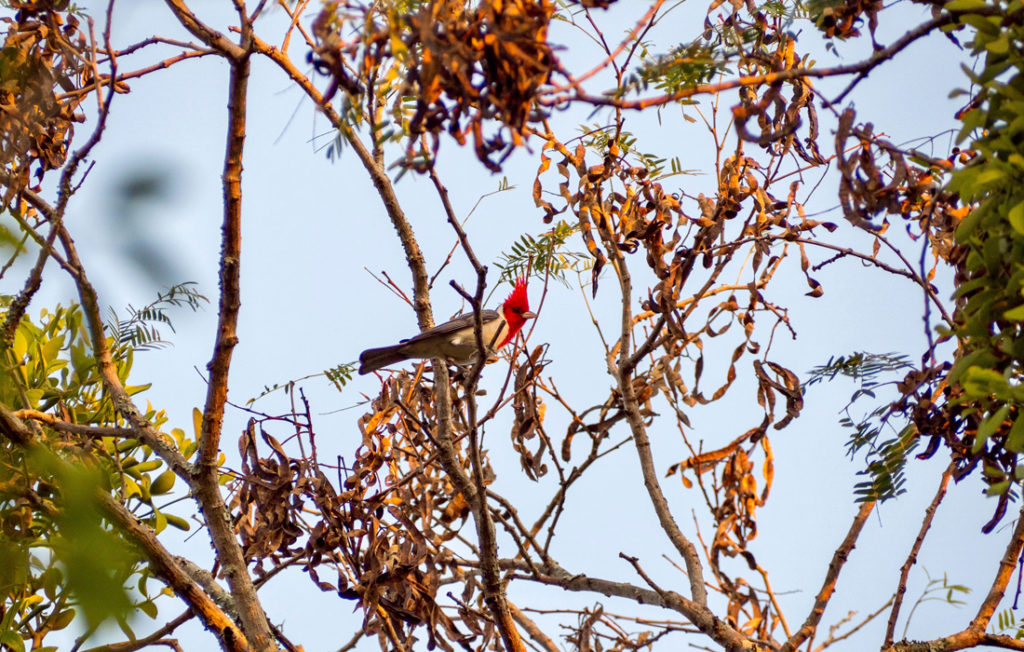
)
(528, 315)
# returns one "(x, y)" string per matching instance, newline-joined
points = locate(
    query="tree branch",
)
(205, 483)
(831, 577)
(145, 641)
(204, 33)
(622, 373)
(901, 588)
(559, 96)
(379, 177)
(73, 428)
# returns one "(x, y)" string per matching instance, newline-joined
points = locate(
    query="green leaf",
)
(148, 607)
(159, 521)
(1016, 217)
(990, 425)
(998, 488)
(177, 521)
(1015, 439)
(980, 383)
(965, 5)
(197, 422)
(95, 557)
(1015, 314)
(163, 483)
(11, 639)
(63, 619)
(990, 176)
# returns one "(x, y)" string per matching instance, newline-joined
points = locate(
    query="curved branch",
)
(73, 428)
(559, 96)
(204, 32)
(699, 615)
(622, 372)
(378, 175)
(151, 639)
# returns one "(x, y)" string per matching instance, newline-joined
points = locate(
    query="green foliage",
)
(685, 66)
(340, 375)
(1007, 624)
(97, 562)
(140, 331)
(885, 457)
(990, 315)
(62, 560)
(598, 139)
(860, 366)
(886, 463)
(544, 254)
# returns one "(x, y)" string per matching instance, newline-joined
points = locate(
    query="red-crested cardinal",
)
(455, 340)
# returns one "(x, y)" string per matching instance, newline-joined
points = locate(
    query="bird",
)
(455, 340)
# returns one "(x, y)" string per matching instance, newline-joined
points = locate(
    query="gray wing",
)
(455, 325)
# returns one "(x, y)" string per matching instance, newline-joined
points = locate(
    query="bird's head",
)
(516, 310)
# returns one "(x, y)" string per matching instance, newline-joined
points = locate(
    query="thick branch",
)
(166, 567)
(205, 33)
(146, 641)
(699, 615)
(73, 428)
(205, 485)
(622, 372)
(533, 630)
(143, 430)
(1003, 574)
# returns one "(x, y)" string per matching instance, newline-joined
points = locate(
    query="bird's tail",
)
(374, 359)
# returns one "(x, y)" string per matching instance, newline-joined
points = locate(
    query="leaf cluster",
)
(685, 66)
(885, 454)
(985, 400)
(63, 559)
(140, 330)
(546, 253)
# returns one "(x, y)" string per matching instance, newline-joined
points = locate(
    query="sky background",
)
(311, 225)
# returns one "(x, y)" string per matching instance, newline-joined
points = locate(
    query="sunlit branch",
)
(381, 181)
(642, 24)
(1007, 564)
(204, 32)
(901, 587)
(205, 484)
(642, 443)
(72, 428)
(558, 98)
(832, 638)
(828, 588)
(531, 628)
(119, 85)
